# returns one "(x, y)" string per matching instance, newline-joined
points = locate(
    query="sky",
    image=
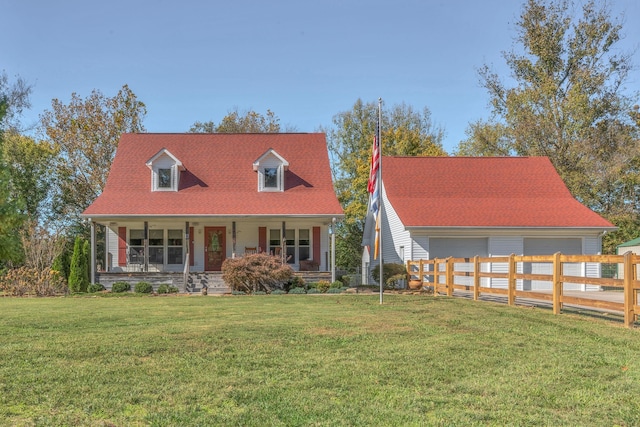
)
(305, 60)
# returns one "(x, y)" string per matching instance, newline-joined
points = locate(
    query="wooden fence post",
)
(629, 294)
(476, 277)
(449, 278)
(436, 276)
(421, 269)
(557, 284)
(512, 280)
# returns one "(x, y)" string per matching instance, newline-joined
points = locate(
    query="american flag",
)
(372, 185)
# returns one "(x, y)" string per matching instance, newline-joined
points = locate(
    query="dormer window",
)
(165, 171)
(164, 178)
(271, 169)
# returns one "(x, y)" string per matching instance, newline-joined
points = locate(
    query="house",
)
(632, 246)
(183, 203)
(439, 207)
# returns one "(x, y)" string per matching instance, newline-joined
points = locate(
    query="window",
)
(174, 247)
(270, 178)
(290, 238)
(303, 244)
(274, 241)
(164, 178)
(136, 246)
(156, 246)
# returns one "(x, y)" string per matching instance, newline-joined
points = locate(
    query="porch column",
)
(233, 239)
(93, 252)
(333, 250)
(146, 247)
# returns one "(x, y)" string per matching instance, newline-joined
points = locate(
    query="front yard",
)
(310, 360)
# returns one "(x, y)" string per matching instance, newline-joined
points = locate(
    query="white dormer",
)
(271, 167)
(165, 171)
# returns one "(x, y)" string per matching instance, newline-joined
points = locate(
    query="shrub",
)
(255, 272)
(323, 285)
(294, 282)
(297, 291)
(388, 270)
(259, 293)
(119, 287)
(336, 285)
(31, 280)
(95, 287)
(166, 288)
(278, 292)
(79, 269)
(312, 291)
(334, 290)
(143, 288)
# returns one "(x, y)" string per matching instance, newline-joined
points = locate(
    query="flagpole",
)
(381, 246)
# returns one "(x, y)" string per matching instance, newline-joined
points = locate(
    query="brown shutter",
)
(316, 244)
(122, 246)
(262, 239)
(191, 237)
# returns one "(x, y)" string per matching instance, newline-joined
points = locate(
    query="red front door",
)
(214, 247)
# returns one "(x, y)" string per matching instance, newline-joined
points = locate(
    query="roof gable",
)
(270, 153)
(482, 192)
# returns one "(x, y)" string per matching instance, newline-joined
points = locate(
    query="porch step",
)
(212, 281)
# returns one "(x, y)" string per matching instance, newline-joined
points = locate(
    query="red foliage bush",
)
(256, 272)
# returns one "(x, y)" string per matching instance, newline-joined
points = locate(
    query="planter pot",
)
(415, 284)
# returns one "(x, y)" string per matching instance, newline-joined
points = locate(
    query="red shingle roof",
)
(482, 192)
(219, 178)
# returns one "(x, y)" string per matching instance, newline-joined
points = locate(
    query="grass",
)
(310, 360)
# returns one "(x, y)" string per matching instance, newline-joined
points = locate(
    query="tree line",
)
(565, 98)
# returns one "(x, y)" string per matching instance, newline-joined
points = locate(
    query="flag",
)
(377, 240)
(372, 185)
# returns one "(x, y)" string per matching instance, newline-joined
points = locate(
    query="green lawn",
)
(311, 360)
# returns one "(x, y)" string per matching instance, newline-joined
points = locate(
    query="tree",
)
(10, 217)
(404, 132)
(87, 132)
(79, 272)
(236, 122)
(15, 99)
(30, 165)
(568, 103)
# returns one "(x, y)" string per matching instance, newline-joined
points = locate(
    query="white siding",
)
(444, 247)
(419, 247)
(503, 246)
(112, 250)
(548, 246)
(592, 246)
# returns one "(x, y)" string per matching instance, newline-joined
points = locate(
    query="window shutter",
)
(262, 238)
(316, 244)
(122, 246)
(191, 238)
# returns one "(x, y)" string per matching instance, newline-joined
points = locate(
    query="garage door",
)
(459, 248)
(537, 246)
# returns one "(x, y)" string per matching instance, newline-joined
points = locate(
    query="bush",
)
(30, 280)
(79, 269)
(259, 293)
(143, 288)
(119, 287)
(389, 270)
(256, 272)
(297, 291)
(312, 291)
(336, 285)
(165, 288)
(294, 282)
(334, 290)
(95, 287)
(323, 285)
(278, 292)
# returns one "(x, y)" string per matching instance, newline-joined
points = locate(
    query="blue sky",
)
(305, 60)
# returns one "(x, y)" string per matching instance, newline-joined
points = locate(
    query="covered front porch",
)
(200, 245)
